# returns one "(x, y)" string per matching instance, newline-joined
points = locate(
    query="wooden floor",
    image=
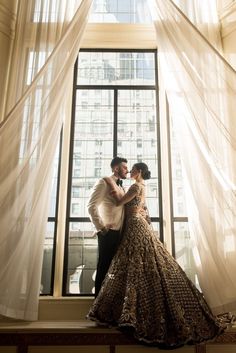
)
(79, 333)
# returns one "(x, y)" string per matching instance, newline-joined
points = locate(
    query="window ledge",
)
(64, 308)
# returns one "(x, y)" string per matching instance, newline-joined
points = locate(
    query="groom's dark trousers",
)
(107, 246)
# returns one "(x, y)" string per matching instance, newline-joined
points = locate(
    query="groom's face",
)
(122, 170)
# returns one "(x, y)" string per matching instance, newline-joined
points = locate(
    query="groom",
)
(107, 218)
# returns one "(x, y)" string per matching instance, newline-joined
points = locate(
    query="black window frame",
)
(115, 88)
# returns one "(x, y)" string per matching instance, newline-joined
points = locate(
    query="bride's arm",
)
(131, 193)
(118, 196)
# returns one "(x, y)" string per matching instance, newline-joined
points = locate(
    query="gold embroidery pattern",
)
(146, 291)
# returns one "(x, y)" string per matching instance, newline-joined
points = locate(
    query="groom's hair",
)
(117, 160)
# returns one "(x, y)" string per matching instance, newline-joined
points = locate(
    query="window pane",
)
(184, 250)
(136, 68)
(137, 136)
(49, 242)
(47, 259)
(121, 11)
(83, 257)
(179, 202)
(53, 10)
(53, 199)
(93, 144)
(82, 253)
(156, 228)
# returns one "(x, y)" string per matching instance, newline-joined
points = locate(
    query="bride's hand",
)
(109, 226)
(109, 182)
(114, 190)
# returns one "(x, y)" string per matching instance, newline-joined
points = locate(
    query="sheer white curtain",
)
(203, 14)
(48, 38)
(201, 88)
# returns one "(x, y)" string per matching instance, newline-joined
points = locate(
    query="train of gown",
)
(147, 292)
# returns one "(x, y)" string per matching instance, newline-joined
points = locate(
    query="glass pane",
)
(47, 259)
(49, 241)
(53, 10)
(156, 228)
(53, 199)
(116, 68)
(184, 251)
(82, 258)
(137, 137)
(121, 11)
(93, 144)
(179, 202)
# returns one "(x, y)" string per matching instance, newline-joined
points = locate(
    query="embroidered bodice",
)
(137, 204)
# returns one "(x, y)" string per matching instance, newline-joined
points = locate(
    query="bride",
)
(145, 290)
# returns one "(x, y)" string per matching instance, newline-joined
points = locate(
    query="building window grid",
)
(76, 222)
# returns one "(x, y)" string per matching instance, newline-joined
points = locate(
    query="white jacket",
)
(102, 208)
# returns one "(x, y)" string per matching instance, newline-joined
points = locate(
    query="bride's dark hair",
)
(146, 174)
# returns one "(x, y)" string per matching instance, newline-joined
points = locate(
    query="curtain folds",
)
(201, 88)
(48, 40)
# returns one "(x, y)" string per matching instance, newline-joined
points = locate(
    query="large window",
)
(115, 112)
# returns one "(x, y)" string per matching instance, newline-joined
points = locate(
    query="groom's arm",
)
(96, 198)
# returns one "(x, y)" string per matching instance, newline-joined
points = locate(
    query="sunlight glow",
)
(229, 244)
(193, 68)
(155, 13)
(196, 256)
(220, 175)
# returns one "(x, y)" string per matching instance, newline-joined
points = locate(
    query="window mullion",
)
(115, 130)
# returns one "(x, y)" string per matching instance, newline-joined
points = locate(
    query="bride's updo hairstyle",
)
(146, 174)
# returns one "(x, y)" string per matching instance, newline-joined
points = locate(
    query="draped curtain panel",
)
(48, 38)
(201, 88)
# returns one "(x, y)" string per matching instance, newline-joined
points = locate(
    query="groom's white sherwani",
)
(102, 208)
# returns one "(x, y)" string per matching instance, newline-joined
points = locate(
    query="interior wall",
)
(119, 36)
(8, 10)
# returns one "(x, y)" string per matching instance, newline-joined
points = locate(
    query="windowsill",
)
(51, 297)
(64, 308)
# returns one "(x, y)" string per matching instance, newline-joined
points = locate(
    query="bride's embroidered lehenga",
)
(146, 290)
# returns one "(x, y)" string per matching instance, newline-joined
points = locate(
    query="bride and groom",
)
(139, 286)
